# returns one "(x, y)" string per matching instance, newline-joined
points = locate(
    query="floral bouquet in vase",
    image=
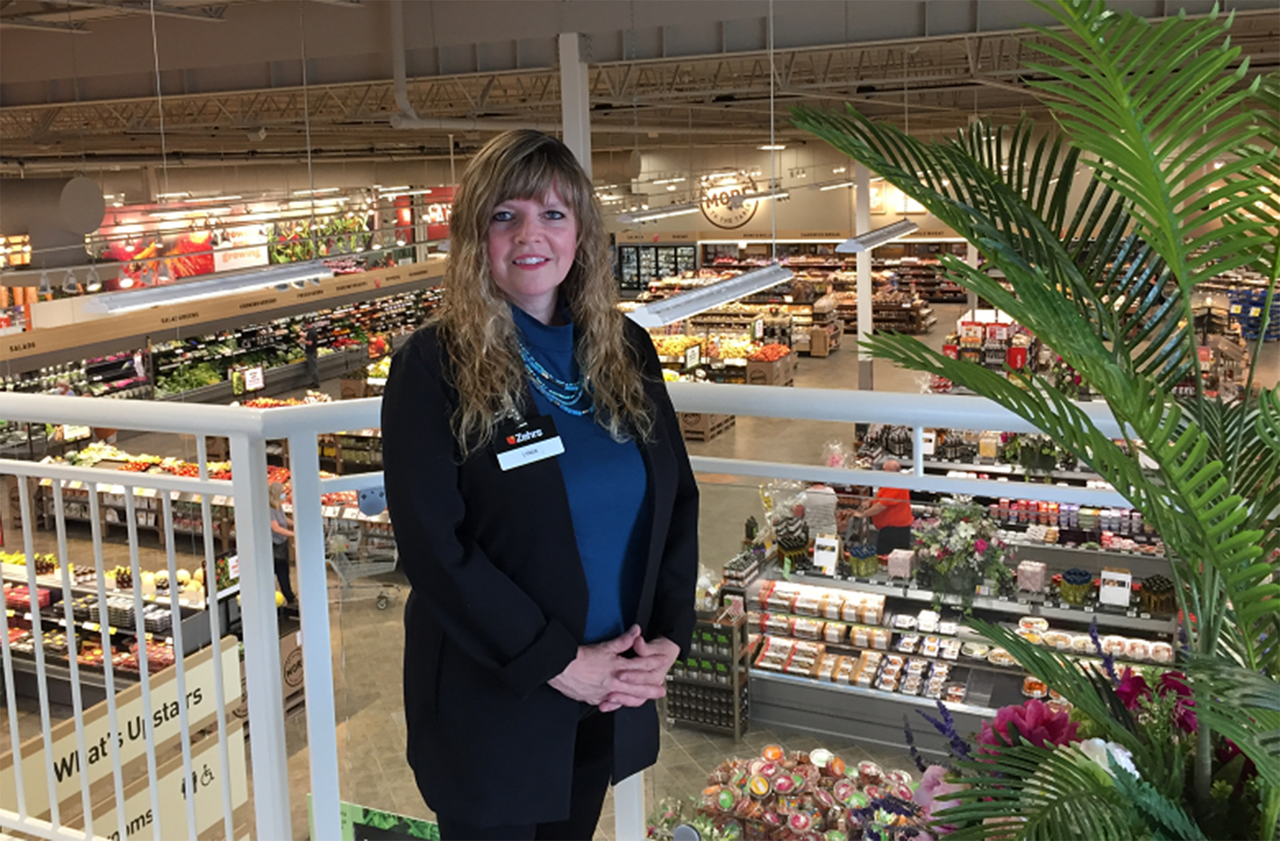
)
(959, 550)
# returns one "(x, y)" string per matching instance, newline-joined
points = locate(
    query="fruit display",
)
(381, 369)
(770, 353)
(675, 345)
(276, 403)
(782, 795)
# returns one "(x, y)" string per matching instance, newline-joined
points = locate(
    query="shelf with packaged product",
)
(904, 653)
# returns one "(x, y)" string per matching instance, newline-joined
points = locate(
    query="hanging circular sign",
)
(717, 203)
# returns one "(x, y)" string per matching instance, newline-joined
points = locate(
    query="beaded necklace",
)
(561, 394)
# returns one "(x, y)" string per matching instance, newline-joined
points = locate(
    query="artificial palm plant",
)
(1177, 154)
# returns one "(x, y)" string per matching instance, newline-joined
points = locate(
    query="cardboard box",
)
(821, 342)
(292, 679)
(349, 389)
(778, 372)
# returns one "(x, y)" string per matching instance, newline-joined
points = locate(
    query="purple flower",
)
(1131, 689)
(1034, 721)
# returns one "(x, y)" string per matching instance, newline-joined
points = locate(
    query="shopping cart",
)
(355, 553)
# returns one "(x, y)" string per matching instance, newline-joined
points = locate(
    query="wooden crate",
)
(779, 372)
(697, 426)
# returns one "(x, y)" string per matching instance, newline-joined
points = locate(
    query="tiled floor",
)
(367, 643)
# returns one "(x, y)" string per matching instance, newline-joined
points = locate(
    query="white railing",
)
(34, 803)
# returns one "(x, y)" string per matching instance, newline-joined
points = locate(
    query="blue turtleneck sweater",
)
(607, 487)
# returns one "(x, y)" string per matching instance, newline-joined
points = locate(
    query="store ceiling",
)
(717, 100)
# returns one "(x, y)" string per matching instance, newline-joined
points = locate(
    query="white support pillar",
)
(862, 224)
(575, 101)
(261, 635)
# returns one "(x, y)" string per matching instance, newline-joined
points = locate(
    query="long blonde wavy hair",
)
(474, 321)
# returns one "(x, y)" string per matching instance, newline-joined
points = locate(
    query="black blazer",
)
(499, 599)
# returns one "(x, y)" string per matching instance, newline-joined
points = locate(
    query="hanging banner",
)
(133, 731)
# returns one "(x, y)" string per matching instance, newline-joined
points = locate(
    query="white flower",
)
(1098, 750)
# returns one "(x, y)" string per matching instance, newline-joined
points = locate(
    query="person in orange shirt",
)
(890, 513)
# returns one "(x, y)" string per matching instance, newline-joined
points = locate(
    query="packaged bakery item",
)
(948, 627)
(830, 605)
(846, 671)
(880, 639)
(955, 693)
(809, 629)
(1081, 644)
(773, 753)
(836, 633)
(898, 778)
(861, 636)
(950, 649)
(976, 650)
(806, 604)
(887, 683)
(827, 668)
(872, 613)
(1161, 652)
(1057, 640)
(912, 685)
(1138, 650)
(929, 646)
(927, 622)
(917, 666)
(908, 643)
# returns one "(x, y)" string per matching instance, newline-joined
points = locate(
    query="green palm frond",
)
(1047, 793)
(1155, 105)
(1165, 818)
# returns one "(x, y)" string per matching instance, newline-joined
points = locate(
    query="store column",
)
(575, 104)
(862, 222)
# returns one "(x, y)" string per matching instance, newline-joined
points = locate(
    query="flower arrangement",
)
(959, 549)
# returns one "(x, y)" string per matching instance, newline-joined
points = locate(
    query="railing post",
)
(261, 635)
(317, 657)
(628, 808)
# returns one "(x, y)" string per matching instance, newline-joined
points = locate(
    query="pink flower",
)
(1184, 710)
(1034, 721)
(1132, 688)
(979, 545)
(933, 786)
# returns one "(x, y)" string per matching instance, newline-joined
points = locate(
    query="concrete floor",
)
(367, 642)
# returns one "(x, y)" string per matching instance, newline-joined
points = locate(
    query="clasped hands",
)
(601, 676)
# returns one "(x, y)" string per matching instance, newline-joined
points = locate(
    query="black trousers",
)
(313, 368)
(592, 768)
(893, 537)
(280, 559)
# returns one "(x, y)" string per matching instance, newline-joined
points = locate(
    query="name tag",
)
(531, 441)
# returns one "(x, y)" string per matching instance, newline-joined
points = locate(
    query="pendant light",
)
(92, 282)
(46, 288)
(69, 284)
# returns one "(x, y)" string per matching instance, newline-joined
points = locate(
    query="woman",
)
(544, 508)
(281, 531)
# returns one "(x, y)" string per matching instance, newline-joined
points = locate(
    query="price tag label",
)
(331, 511)
(1131, 612)
(1088, 608)
(233, 566)
(1236, 309)
(692, 356)
(1254, 312)
(1144, 615)
(351, 513)
(1023, 600)
(757, 328)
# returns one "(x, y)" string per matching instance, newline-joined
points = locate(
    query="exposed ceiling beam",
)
(24, 22)
(212, 14)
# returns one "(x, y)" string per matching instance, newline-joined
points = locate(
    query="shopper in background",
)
(309, 338)
(281, 532)
(63, 388)
(890, 513)
(551, 590)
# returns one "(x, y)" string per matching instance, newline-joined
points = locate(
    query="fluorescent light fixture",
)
(188, 213)
(736, 202)
(641, 216)
(670, 180)
(317, 191)
(836, 170)
(391, 194)
(877, 237)
(212, 198)
(394, 189)
(182, 195)
(728, 173)
(772, 147)
(112, 303)
(694, 301)
(835, 185)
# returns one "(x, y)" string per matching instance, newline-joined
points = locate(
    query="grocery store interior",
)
(246, 203)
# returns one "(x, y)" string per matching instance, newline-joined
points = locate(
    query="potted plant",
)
(1172, 152)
